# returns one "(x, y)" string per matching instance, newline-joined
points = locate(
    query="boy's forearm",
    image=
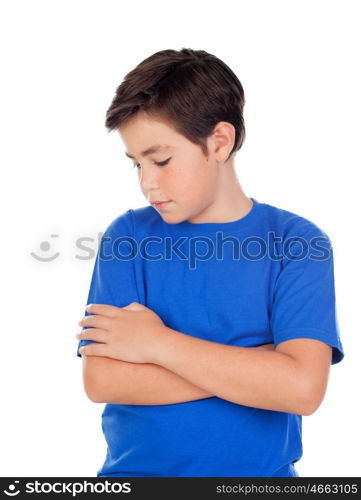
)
(266, 380)
(120, 382)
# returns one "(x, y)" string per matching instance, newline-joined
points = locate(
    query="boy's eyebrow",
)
(152, 149)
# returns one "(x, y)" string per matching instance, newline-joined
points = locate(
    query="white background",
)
(62, 174)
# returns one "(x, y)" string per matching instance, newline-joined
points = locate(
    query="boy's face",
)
(189, 181)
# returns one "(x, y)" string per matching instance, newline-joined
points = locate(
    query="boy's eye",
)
(159, 163)
(162, 163)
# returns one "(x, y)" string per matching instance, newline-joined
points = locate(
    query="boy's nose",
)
(148, 181)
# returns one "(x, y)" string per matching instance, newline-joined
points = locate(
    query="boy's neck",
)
(231, 203)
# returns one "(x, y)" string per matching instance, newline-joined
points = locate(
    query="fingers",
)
(103, 310)
(94, 350)
(95, 334)
(96, 321)
(134, 306)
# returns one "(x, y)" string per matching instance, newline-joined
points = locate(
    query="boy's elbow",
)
(93, 370)
(312, 407)
(309, 410)
(311, 400)
(92, 395)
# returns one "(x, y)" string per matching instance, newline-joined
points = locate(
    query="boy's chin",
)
(172, 218)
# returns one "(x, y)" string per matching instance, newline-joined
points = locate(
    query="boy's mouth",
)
(161, 204)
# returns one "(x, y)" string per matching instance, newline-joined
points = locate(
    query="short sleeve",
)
(113, 280)
(304, 303)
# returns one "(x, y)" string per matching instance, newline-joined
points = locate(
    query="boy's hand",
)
(127, 333)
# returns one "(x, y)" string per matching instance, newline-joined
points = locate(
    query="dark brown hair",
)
(190, 89)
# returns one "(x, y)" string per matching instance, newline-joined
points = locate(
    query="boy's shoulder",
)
(289, 223)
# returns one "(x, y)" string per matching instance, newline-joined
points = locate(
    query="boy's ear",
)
(222, 140)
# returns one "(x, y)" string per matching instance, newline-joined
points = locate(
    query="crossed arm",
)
(109, 380)
(292, 378)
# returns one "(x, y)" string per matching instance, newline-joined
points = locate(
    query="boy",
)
(213, 324)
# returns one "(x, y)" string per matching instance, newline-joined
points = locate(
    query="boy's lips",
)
(160, 204)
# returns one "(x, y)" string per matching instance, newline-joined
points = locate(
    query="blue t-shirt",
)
(265, 278)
